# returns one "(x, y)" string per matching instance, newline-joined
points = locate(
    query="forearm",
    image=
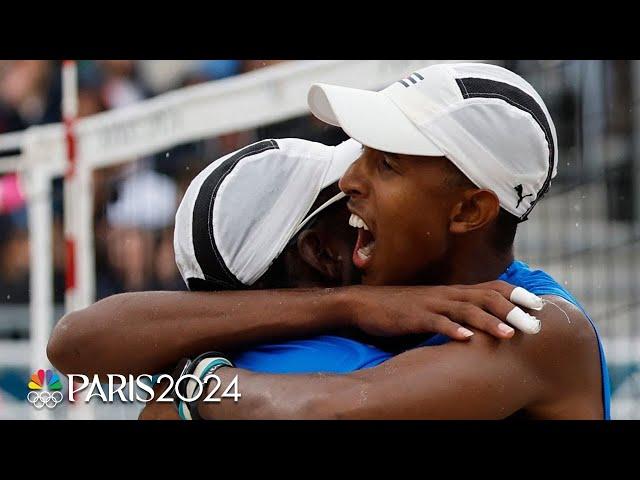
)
(134, 333)
(452, 381)
(283, 397)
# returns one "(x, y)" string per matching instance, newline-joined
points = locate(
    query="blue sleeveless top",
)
(334, 354)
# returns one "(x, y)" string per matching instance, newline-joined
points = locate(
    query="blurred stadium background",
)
(586, 232)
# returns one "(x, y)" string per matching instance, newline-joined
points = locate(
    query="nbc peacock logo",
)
(44, 389)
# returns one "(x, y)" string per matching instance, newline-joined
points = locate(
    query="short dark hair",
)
(454, 178)
(504, 230)
(277, 275)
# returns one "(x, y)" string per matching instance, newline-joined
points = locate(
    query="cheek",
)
(418, 228)
(420, 242)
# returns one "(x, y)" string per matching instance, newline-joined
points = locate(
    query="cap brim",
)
(342, 157)
(371, 118)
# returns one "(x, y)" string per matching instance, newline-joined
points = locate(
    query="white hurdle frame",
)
(272, 94)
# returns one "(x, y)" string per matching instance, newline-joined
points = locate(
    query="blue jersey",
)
(334, 354)
(325, 353)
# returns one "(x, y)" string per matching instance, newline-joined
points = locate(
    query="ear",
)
(318, 254)
(475, 210)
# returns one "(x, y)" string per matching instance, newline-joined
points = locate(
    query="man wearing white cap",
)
(270, 216)
(409, 245)
(454, 157)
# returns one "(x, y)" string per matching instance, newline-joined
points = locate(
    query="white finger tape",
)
(525, 298)
(523, 321)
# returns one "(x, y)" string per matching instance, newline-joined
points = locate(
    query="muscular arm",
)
(134, 333)
(551, 375)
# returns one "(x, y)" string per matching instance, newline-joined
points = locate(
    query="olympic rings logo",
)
(44, 398)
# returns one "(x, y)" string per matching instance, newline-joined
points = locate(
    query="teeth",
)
(356, 222)
(367, 248)
(365, 252)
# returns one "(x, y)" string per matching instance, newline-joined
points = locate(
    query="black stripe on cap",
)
(484, 88)
(10, 152)
(216, 273)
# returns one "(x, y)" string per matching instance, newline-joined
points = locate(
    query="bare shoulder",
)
(559, 366)
(566, 331)
(566, 354)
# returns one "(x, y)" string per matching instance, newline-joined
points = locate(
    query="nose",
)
(353, 182)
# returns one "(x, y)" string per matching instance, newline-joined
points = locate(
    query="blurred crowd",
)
(135, 202)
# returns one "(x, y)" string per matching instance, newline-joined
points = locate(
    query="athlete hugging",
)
(380, 272)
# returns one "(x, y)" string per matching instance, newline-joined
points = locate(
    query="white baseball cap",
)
(485, 119)
(241, 211)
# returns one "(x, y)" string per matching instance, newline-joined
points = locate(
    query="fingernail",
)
(523, 321)
(525, 298)
(465, 332)
(504, 328)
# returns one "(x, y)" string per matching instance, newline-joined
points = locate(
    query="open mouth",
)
(365, 244)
